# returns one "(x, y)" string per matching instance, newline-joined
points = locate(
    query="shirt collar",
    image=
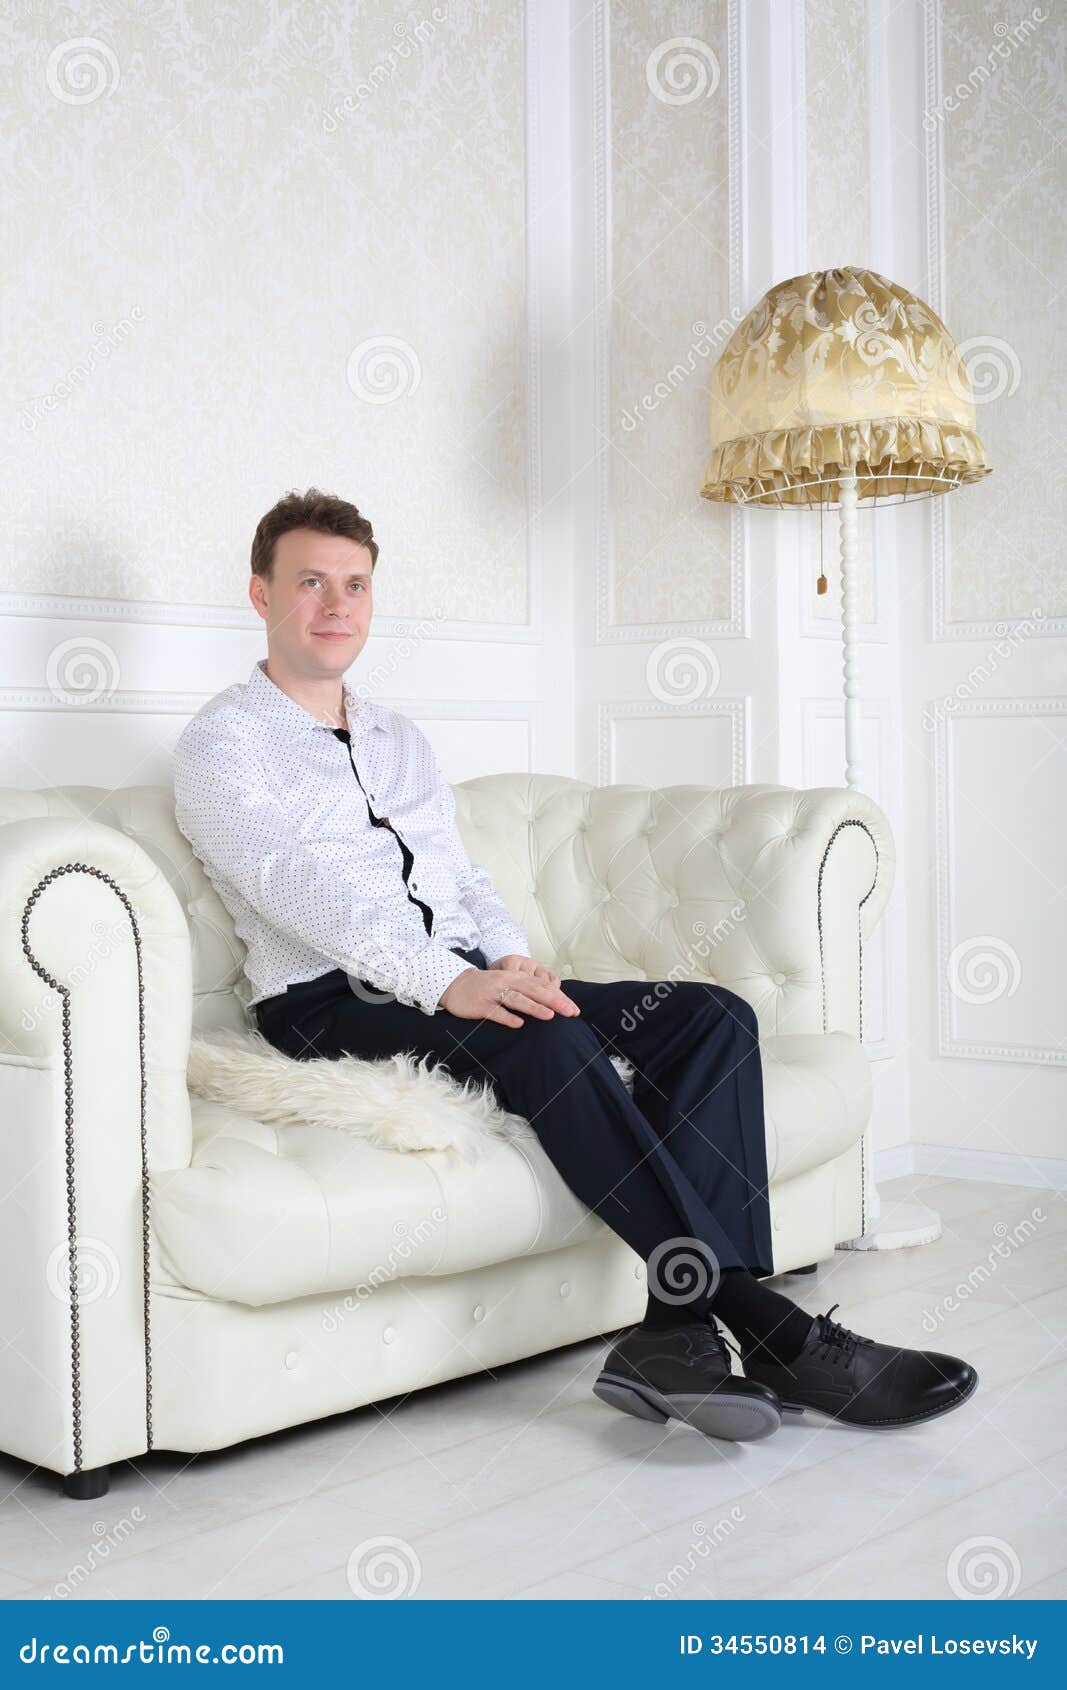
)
(267, 696)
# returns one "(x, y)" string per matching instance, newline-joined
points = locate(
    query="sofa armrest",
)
(802, 879)
(95, 1017)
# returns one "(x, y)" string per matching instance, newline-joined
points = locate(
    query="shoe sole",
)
(796, 1409)
(738, 1418)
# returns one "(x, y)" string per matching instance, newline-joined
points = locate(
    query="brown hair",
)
(313, 509)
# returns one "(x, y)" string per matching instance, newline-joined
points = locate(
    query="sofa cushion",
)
(267, 1213)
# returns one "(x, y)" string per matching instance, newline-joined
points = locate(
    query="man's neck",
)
(325, 702)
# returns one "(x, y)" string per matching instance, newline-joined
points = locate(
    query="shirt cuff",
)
(504, 941)
(428, 974)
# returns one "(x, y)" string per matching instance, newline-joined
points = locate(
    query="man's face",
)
(318, 606)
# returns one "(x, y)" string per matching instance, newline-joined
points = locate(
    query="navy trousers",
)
(684, 1158)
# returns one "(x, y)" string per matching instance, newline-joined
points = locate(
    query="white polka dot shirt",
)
(306, 839)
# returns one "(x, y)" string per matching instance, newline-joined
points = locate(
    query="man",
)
(328, 829)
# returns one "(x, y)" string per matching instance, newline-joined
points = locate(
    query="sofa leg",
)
(88, 1483)
(812, 1267)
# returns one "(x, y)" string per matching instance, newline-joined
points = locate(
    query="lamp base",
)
(904, 1225)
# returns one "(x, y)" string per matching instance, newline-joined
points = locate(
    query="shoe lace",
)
(837, 1339)
(710, 1340)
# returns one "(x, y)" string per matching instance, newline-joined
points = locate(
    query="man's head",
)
(312, 563)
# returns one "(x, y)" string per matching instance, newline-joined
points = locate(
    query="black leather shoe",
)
(851, 1378)
(684, 1371)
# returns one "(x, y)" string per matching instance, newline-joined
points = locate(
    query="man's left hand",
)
(527, 965)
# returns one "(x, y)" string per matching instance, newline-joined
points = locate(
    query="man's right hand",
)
(474, 996)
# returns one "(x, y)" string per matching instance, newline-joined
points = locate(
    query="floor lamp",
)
(840, 387)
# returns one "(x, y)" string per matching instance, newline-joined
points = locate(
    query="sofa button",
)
(565, 1288)
(389, 1334)
(479, 1311)
(779, 979)
(291, 1359)
(638, 1271)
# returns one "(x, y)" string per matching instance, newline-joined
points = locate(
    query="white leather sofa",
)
(231, 1278)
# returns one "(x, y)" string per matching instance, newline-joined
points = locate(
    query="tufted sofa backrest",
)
(611, 882)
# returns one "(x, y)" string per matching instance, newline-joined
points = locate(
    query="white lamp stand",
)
(908, 1222)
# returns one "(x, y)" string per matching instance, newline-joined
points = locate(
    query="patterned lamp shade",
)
(834, 370)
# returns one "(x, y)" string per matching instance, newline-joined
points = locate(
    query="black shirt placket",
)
(383, 821)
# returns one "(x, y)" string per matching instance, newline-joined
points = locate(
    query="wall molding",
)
(948, 1043)
(994, 1167)
(68, 607)
(736, 624)
(164, 701)
(735, 709)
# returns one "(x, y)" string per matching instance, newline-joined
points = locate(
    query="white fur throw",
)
(397, 1103)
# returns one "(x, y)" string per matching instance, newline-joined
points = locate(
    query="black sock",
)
(765, 1324)
(659, 1314)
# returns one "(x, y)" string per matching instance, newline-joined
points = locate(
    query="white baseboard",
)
(994, 1166)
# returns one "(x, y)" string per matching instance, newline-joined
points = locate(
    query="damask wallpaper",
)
(253, 248)
(1002, 187)
(670, 306)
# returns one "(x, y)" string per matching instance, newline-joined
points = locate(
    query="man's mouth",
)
(331, 634)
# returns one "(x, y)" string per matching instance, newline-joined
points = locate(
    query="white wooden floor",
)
(526, 1486)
